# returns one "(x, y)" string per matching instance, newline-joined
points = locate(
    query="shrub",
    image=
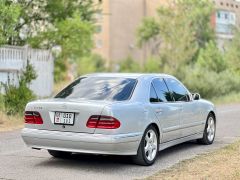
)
(211, 58)
(90, 64)
(211, 84)
(16, 97)
(129, 65)
(60, 70)
(232, 54)
(1, 101)
(152, 65)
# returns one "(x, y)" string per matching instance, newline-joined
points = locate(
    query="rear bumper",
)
(122, 144)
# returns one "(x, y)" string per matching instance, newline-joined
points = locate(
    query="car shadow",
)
(89, 161)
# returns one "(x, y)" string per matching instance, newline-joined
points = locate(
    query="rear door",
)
(166, 111)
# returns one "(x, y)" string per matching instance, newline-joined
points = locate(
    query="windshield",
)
(99, 88)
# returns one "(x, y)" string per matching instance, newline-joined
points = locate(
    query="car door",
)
(190, 111)
(166, 111)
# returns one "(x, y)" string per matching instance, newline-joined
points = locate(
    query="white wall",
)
(13, 59)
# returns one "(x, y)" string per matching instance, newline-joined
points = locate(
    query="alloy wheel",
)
(210, 128)
(150, 145)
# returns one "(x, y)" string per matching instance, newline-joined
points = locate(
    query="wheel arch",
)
(214, 114)
(157, 129)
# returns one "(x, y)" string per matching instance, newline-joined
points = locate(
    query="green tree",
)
(89, 64)
(152, 65)
(36, 16)
(232, 53)
(211, 59)
(50, 23)
(69, 25)
(129, 65)
(9, 17)
(72, 35)
(178, 32)
(211, 84)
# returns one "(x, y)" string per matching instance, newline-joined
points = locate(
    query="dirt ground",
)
(8, 123)
(221, 164)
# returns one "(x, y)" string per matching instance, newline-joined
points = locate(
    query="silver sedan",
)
(119, 114)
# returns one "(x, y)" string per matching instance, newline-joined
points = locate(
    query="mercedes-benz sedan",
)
(119, 114)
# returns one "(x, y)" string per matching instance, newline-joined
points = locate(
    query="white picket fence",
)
(13, 60)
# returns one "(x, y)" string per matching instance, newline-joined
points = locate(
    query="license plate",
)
(64, 118)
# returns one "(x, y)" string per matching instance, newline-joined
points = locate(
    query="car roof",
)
(128, 75)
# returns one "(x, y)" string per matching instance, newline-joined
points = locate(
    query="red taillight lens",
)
(92, 121)
(108, 122)
(33, 117)
(103, 122)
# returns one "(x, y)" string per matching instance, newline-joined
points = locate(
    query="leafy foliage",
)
(184, 45)
(73, 35)
(210, 58)
(35, 16)
(178, 32)
(16, 97)
(49, 24)
(70, 26)
(129, 65)
(89, 64)
(1, 101)
(59, 70)
(9, 16)
(232, 54)
(152, 65)
(211, 84)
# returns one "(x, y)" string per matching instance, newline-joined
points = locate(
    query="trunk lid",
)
(81, 109)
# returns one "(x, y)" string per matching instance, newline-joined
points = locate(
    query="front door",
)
(167, 112)
(189, 116)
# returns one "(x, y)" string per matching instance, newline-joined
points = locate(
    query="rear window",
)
(99, 88)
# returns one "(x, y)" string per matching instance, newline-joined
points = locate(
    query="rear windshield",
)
(99, 88)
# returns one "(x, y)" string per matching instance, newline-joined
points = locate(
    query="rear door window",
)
(162, 91)
(153, 95)
(99, 88)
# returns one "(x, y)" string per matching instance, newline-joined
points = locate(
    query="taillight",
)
(33, 117)
(92, 121)
(103, 122)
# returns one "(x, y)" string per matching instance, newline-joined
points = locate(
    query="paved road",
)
(19, 162)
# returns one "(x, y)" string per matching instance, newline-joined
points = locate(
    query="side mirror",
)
(196, 96)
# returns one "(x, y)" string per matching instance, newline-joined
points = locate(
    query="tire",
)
(150, 139)
(209, 131)
(59, 154)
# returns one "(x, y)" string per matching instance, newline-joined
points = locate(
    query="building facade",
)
(117, 25)
(118, 20)
(226, 18)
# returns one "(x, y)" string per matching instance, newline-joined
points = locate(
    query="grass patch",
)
(9, 123)
(227, 99)
(1, 101)
(220, 164)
